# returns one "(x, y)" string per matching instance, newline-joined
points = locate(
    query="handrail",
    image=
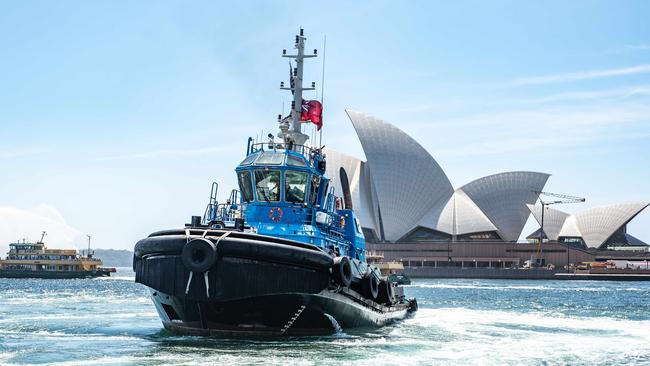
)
(306, 151)
(225, 212)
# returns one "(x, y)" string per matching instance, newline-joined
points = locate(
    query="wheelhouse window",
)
(295, 186)
(295, 161)
(313, 193)
(246, 185)
(267, 185)
(249, 159)
(357, 225)
(270, 158)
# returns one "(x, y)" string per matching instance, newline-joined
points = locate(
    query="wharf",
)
(522, 274)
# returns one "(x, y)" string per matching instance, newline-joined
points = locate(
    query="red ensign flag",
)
(312, 111)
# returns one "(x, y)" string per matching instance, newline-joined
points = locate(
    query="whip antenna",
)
(322, 90)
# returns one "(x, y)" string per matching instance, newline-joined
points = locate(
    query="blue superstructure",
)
(283, 192)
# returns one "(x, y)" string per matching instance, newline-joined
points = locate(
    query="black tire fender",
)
(199, 255)
(385, 295)
(342, 271)
(370, 286)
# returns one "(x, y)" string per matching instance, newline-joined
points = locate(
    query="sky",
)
(116, 116)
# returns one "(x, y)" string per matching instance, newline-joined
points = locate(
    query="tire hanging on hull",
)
(370, 286)
(342, 271)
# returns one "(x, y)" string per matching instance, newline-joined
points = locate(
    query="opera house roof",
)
(596, 227)
(402, 194)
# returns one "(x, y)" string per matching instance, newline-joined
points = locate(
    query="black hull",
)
(15, 273)
(274, 315)
(258, 286)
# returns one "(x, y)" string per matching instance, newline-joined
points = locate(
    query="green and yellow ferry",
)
(35, 260)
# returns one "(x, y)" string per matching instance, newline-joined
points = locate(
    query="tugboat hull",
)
(257, 286)
(273, 315)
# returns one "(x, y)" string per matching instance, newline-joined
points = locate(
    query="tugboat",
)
(35, 260)
(281, 257)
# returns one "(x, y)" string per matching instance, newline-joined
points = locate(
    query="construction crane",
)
(559, 200)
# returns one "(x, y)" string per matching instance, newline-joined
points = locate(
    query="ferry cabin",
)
(36, 257)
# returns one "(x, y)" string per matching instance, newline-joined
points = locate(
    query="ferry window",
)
(313, 193)
(295, 186)
(249, 159)
(270, 158)
(246, 185)
(267, 184)
(295, 161)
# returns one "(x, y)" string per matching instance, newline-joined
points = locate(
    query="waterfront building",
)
(602, 227)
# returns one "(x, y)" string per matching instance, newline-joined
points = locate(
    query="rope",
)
(222, 237)
(189, 281)
(207, 284)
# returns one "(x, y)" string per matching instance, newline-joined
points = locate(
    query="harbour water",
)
(109, 321)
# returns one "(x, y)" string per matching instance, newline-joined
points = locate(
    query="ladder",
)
(293, 319)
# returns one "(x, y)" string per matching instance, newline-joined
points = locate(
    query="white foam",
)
(525, 287)
(117, 278)
(506, 337)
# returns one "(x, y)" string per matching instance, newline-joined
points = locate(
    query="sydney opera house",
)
(410, 211)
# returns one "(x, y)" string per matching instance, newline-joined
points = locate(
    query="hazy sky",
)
(115, 116)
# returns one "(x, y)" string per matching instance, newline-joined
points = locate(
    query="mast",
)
(291, 126)
(88, 254)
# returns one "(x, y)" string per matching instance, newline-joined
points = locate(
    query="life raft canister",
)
(275, 213)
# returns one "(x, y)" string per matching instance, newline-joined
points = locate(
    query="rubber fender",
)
(135, 260)
(240, 248)
(385, 295)
(370, 286)
(342, 271)
(233, 234)
(199, 255)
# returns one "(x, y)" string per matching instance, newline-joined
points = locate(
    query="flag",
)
(292, 82)
(312, 111)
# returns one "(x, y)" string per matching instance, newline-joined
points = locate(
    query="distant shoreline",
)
(114, 257)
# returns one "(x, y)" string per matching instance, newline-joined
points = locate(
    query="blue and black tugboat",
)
(280, 257)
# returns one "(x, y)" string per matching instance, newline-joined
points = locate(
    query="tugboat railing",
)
(306, 151)
(223, 212)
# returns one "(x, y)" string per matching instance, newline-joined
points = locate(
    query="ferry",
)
(35, 260)
(393, 270)
(282, 256)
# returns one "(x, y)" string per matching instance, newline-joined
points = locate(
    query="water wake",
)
(464, 322)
